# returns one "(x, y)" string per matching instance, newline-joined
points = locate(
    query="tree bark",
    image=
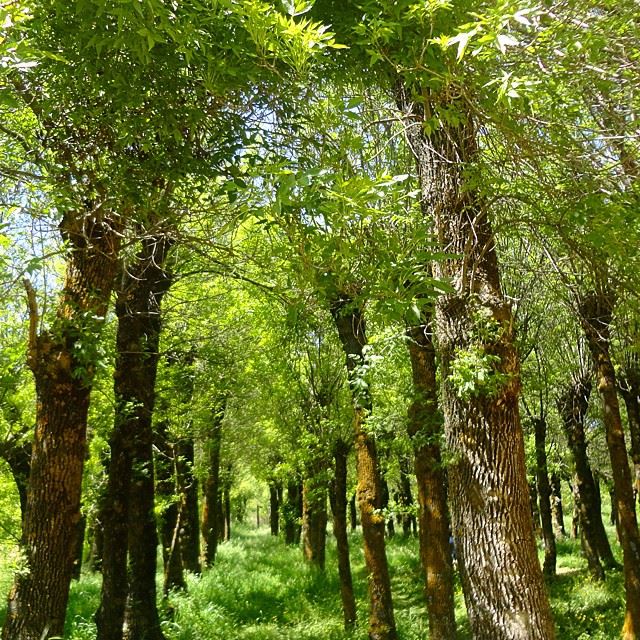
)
(501, 577)
(405, 497)
(572, 406)
(339, 510)
(292, 512)
(63, 364)
(353, 512)
(275, 495)
(556, 505)
(544, 496)
(596, 310)
(314, 521)
(210, 520)
(190, 521)
(630, 390)
(17, 454)
(128, 513)
(351, 331)
(426, 431)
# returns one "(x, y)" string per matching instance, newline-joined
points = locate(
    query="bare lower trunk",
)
(351, 330)
(339, 509)
(426, 431)
(572, 406)
(63, 372)
(501, 578)
(630, 390)
(556, 505)
(596, 310)
(314, 521)
(210, 520)
(405, 497)
(275, 498)
(544, 497)
(188, 492)
(292, 512)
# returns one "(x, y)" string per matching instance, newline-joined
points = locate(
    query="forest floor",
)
(260, 589)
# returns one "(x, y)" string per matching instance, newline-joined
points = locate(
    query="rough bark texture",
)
(339, 510)
(544, 497)
(596, 311)
(556, 505)
(63, 369)
(426, 431)
(572, 406)
(210, 520)
(501, 577)
(129, 500)
(351, 330)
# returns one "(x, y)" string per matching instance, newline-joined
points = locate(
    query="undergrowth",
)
(260, 589)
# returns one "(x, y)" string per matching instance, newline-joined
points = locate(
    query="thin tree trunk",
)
(572, 406)
(63, 376)
(190, 521)
(596, 311)
(339, 510)
(274, 508)
(77, 563)
(351, 331)
(544, 496)
(291, 513)
(556, 505)
(391, 529)
(210, 520)
(405, 497)
(426, 430)
(535, 511)
(314, 520)
(501, 577)
(129, 501)
(17, 454)
(630, 390)
(226, 503)
(353, 512)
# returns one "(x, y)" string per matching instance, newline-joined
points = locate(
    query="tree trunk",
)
(353, 512)
(292, 512)
(630, 391)
(210, 520)
(556, 505)
(274, 508)
(17, 454)
(314, 519)
(426, 430)
(535, 511)
(339, 510)
(544, 496)
(226, 503)
(128, 512)
(501, 577)
(189, 521)
(572, 406)
(596, 311)
(391, 529)
(405, 497)
(351, 331)
(63, 364)
(79, 555)
(171, 516)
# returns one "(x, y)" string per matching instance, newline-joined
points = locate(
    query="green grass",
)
(260, 589)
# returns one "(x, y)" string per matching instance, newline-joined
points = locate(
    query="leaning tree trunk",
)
(128, 508)
(63, 365)
(339, 510)
(501, 577)
(596, 310)
(572, 406)
(351, 331)
(210, 520)
(426, 430)
(544, 496)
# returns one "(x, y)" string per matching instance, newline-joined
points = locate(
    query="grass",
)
(261, 590)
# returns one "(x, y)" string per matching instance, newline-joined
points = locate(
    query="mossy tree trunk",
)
(426, 432)
(351, 331)
(502, 581)
(63, 360)
(596, 311)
